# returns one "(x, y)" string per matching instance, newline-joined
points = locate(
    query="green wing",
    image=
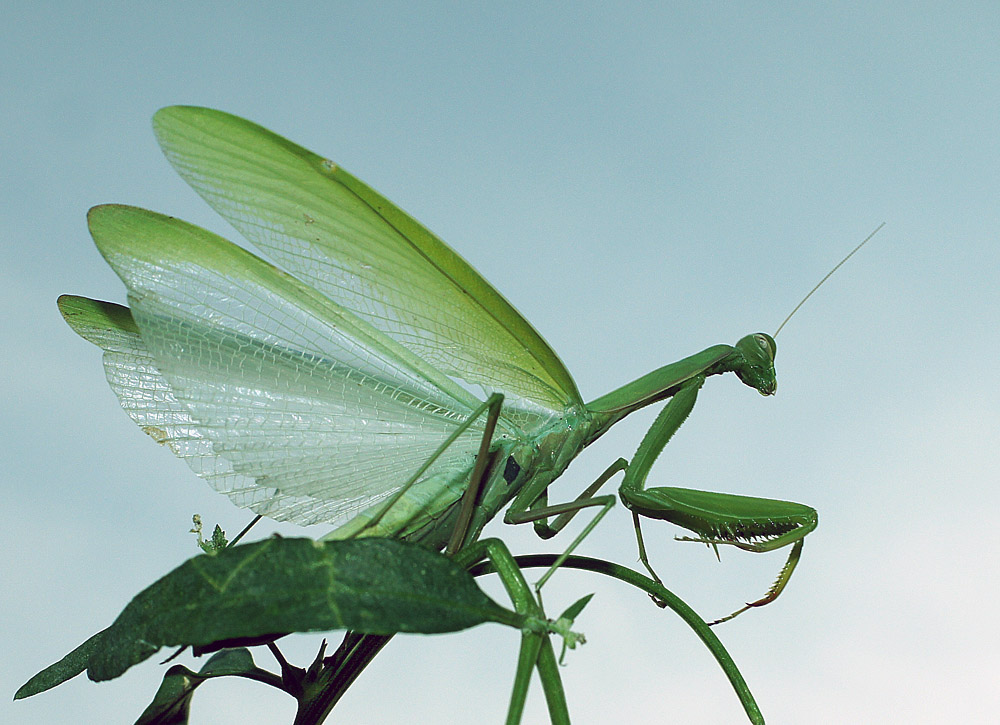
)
(145, 394)
(339, 236)
(291, 405)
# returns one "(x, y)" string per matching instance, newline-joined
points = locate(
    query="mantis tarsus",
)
(338, 390)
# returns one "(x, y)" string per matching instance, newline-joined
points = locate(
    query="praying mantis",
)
(336, 384)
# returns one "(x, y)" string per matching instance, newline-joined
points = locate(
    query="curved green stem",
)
(259, 674)
(671, 600)
(548, 673)
(531, 643)
(536, 648)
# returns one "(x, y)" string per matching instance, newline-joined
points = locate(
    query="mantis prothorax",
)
(336, 389)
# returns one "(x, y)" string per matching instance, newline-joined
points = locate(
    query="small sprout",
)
(218, 539)
(563, 624)
(209, 546)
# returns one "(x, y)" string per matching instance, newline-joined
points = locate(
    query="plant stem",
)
(337, 674)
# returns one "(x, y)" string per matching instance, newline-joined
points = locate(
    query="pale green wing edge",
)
(204, 145)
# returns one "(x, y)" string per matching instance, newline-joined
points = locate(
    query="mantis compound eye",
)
(766, 343)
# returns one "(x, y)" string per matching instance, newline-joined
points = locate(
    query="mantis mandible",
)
(336, 386)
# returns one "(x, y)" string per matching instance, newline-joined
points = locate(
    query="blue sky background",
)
(641, 182)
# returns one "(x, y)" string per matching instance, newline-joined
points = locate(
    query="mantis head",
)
(756, 364)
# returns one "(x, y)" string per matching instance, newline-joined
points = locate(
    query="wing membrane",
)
(301, 411)
(353, 245)
(142, 390)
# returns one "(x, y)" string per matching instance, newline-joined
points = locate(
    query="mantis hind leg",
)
(471, 494)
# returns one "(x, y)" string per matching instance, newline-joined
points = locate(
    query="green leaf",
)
(233, 661)
(172, 702)
(376, 586)
(573, 611)
(65, 669)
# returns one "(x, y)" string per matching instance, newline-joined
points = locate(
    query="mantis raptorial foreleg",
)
(783, 576)
(748, 523)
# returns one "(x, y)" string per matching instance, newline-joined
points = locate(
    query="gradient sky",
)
(641, 183)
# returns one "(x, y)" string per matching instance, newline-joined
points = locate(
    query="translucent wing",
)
(353, 245)
(146, 395)
(288, 403)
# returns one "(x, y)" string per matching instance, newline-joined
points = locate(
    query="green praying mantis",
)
(336, 387)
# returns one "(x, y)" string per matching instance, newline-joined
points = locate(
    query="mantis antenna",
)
(828, 274)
